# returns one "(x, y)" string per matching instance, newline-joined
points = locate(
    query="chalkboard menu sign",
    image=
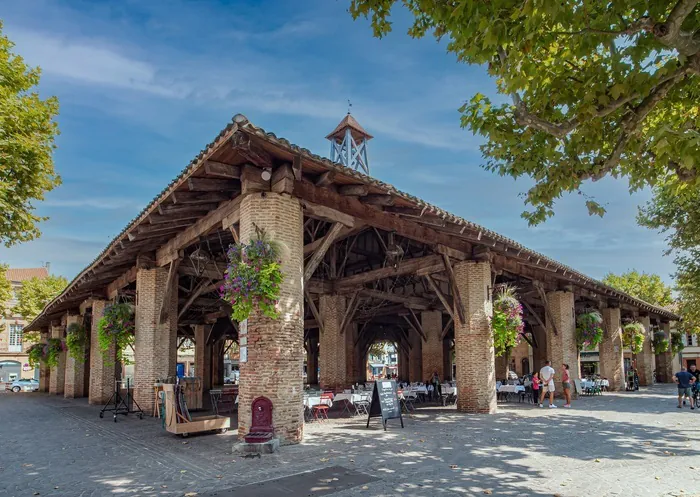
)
(385, 402)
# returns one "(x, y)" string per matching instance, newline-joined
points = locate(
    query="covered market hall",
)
(362, 262)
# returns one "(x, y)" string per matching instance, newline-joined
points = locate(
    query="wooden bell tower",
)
(349, 144)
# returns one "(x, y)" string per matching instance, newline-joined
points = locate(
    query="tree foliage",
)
(5, 289)
(647, 287)
(36, 293)
(593, 88)
(27, 132)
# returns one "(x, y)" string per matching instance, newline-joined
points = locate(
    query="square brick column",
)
(432, 348)
(476, 371)
(75, 368)
(415, 357)
(539, 353)
(665, 365)
(202, 356)
(44, 370)
(446, 360)
(562, 346)
(58, 372)
(274, 366)
(312, 363)
(155, 346)
(645, 359)
(350, 335)
(101, 365)
(612, 364)
(333, 348)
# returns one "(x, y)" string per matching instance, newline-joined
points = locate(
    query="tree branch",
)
(669, 32)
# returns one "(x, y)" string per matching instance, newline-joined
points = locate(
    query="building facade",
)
(14, 363)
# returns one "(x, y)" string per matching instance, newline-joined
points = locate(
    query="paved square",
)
(631, 444)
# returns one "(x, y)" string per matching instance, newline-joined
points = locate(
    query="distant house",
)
(14, 361)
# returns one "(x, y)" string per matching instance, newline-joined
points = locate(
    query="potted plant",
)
(676, 342)
(54, 346)
(660, 342)
(507, 322)
(76, 341)
(633, 336)
(253, 277)
(589, 329)
(116, 328)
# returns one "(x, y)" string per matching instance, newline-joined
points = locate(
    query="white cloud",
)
(95, 203)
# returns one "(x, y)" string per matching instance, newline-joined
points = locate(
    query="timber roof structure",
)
(196, 207)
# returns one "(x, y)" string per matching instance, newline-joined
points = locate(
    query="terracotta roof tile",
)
(349, 122)
(23, 274)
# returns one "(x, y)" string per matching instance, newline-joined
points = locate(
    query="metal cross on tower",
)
(349, 144)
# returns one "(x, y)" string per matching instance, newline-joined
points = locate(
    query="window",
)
(15, 343)
(689, 339)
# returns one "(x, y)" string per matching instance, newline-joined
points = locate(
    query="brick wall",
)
(432, 348)
(274, 368)
(312, 363)
(44, 370)
(539, 353)
(58, 372)
(563, 345)
(476, 372)
(155, 346)
(645, 359)
(610, 349)
(415, 359)
(101, 364)
(333, 350)
(665, 368)
(75, 368)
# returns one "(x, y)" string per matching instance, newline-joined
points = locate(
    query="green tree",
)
(648, 287)
(27, 132)
(596, 88)
(5, 290)
(36, 293)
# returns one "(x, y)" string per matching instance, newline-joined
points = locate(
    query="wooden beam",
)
(167, 209)
(413, 327)
(126, 278)
(180, 198)
(320, 253)
(234, 233)
(349, 311)
(170, 284)
(203, 287)
(245, 146)
(407, 266)
(282, 179)
(325, 179)
(251, 180)
(212, 185)
(210, 271)
(378, 199)
(456, 298)
(454, 254)
(419, 325)
(354, 190)
(327, 214)
(314, 309)
(534, 314)
(222, 170)
(169, 251)
(170, 217)
(343, 233)
(547, 312)
(446, 328)
(377, 218)
(409, 300)
(443, 298)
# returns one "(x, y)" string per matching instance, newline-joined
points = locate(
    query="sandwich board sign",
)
(385, 402)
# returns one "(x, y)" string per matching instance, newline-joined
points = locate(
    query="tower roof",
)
(355, 128)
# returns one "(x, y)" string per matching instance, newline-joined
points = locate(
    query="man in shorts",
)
(684, 380)
(547, 377)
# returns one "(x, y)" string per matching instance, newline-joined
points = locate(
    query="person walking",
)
(535, 387)
(437, 389)
(684, 380)
(566, 384)
(547, 377)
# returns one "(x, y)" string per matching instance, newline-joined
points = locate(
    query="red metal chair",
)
(320, 411)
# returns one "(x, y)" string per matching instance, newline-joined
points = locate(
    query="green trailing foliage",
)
(76, 341)
(507, 322)
(676, 342)
(589, 330)
(36, 354)
(116, 329)
(54, 347)
(633, 337)
(660, 343)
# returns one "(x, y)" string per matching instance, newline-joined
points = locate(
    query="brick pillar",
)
(539, 353)
(312, 363)
(101, 364)
(58, 372)
(403, 364)
(202, 356)
(333, 349)
(415, 359)
(563, 347)
(350, 363)
(44, 370)
(274, 368)
(666, 363)
(501, 365)
(610, 349)
(432, 348)
(75, 368)
(155, 345)
(446, 360)
(645, 359)
(476, 371)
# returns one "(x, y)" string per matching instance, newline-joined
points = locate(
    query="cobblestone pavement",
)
(631, 444)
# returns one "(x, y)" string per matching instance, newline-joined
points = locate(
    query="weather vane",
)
(349, 106)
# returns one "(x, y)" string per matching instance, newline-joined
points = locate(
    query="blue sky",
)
(143, 86)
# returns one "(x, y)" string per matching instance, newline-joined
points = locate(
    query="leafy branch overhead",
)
(593, 88)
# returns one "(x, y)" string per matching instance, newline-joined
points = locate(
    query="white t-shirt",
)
(547, 374)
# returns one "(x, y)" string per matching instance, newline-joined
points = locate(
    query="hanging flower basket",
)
(76, 341)
(589, 330)
(116, 328)
(676, 342)
(660, 342)
(54, 346)
(253, 278)
(633, 337)
(36, 354)
(507, 321)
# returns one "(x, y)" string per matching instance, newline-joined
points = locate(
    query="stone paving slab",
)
(628, 443)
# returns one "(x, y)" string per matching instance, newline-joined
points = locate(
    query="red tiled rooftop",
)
(23, 274)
